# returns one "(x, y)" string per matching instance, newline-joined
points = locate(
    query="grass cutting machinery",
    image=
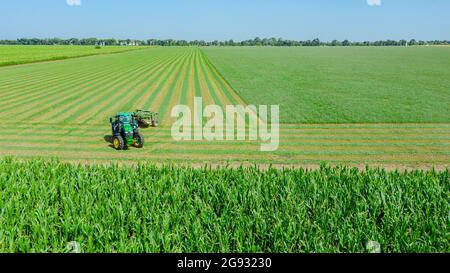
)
(146, 118)
(125, 130)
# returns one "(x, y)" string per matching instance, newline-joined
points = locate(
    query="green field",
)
(342, 85)
(62, 109)
(13, 55)
(45, 205)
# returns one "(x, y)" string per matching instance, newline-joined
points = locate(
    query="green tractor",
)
(125, 130)
(146, 118)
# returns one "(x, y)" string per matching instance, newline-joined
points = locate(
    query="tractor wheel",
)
(140, 140)
(118, 143)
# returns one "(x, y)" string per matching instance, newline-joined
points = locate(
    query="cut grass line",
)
(163, 128)
(71, 81)
(12, 78)
(151, 102)
(116, 100)
(49, 94)
(69, 97)
(247, 149)
(209, 88)
(367, 126)
(101, 100)
(151, 92)
(98, 140)
(212, 84)
(82, 67)
(131, 101)
(367, 131)
(236, 162)
(361, 157)
(168, 92)
(186, 82)
(71, 143)
(190, 92)
(8, 80)
(362, 133)
(300, 139)
(88, 100)
(174, 92)
(387, 136)
(227, 87)
(219, 83)
(324, 133)
(197, 88)
(57, 72)
(205, 92)
(61, 58)
(214, 80)
(27, 82)
(227, 98)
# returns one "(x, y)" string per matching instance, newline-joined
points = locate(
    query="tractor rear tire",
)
(141, 140)
(118, 143)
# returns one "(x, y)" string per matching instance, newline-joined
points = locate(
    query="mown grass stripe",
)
(206, 94)
(147, 93)
(83, 67)
(49, 94)
(157, 90)
(192, 153)
(220, 81)
(169, 90)
(234, 97)
(234, 162)
(25, 82)
(213, 86)
(124, 78)
(11, 79)
(164, 128)
(317, 138)
(62, 100)
(174, 90)
(367, 125)
(160, 77)
(110, 94)
(72, 80)
(184, 93)
(115, 102)
(209, 89)
(198, 92)
(128, 105)
(96, 140)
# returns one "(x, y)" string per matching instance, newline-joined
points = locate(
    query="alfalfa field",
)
(355, 106)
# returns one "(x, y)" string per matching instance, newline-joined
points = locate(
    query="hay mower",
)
(146, 118)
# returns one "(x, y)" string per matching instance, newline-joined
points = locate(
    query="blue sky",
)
(226, 19)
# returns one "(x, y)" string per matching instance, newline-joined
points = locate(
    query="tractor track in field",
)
(67, 117)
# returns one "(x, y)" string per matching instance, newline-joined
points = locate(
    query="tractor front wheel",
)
(118, 143)
(140, 140)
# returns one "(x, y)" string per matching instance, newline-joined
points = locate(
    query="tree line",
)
(252, 42)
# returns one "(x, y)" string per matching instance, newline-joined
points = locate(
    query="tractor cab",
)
(125, 130)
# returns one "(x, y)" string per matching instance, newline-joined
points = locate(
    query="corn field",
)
(45, 205)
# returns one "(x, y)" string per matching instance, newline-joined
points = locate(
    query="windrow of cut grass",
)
(144, 208)
(374, 146)
(68, 116)
(14, 55)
